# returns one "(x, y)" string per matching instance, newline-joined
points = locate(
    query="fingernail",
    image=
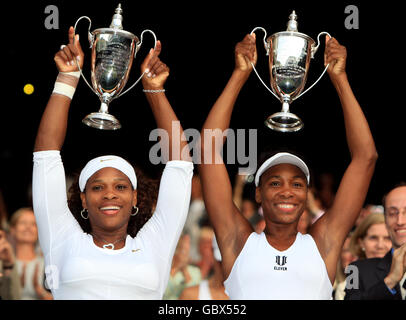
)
(72, 63)
(77, 37)
(67, 62)
(149, 75)
(78, 58)
(146, 70)
(154, 75)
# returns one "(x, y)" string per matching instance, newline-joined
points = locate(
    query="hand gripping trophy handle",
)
(314, 50)
(138, 47)
(91, 40)
(266, 45)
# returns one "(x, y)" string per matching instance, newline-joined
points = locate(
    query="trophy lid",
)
(292, 23)
(291, 30)
(117, 21)
(116, 26)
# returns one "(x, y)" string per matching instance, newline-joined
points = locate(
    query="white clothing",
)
(402, 290)
(204, 291)
(78, 269)
(192, 227)
(264, 273)
(28, 291)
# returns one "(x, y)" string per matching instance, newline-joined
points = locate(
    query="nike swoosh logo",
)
(102, 160)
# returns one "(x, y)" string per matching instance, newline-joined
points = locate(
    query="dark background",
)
(198, 39)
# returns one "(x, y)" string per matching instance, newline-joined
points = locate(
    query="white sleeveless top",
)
(264, 273)
(204, 290)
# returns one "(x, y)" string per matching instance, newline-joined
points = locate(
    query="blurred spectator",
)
(247, 205)
(195, 215)
(314, 205)
(305, 221)
(183, 274)
(366, 211)
(384, 278)
(249, 209)
(9, 283)
(371, 238)
(211, 288)
(326, 189)
(346, 257)
(3, 213)
(260, 226)
(29, 263)
(206, 251)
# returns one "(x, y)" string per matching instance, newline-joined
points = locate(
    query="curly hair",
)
(147, 194)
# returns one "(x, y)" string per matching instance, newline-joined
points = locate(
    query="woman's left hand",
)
(156, 72)
(336, 55)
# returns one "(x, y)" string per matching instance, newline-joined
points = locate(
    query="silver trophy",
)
(113, 51)
(289, 59)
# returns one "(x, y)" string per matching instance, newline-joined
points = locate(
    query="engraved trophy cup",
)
(113, 50)
(289, 59)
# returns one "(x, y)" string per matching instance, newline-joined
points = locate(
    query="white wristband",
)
(66, 83)
(64, 89)
(75, 74)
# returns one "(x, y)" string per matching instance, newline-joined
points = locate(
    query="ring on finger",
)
(62, 46)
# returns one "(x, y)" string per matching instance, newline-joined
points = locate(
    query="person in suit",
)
(384, 278)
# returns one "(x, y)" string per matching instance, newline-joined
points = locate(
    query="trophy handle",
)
(90, 37)
(137, 48)
(313, 52)
(267, 53)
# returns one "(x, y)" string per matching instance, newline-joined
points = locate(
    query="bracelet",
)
(66, 83)
(153, 91)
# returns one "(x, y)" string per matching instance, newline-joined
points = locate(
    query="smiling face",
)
(25, 229)
(282, 193)
(395, 216)
(109, 198)
(376, 242)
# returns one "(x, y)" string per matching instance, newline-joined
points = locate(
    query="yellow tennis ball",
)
(28, 88)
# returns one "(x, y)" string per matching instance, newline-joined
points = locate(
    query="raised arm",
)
(156, 74)
(231, 228)
(55, 222)
(331, 229)
(52, 128)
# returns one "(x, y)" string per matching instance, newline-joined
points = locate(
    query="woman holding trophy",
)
(281, 263)
(108, 248)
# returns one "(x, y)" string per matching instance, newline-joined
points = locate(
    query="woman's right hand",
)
(66, 56)
(245, 53)
(6, 251)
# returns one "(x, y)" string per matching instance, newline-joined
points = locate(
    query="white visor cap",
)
(109, 161)
(283, 157)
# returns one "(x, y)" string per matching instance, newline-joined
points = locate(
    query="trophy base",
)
(103, 121)
(284, 122)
